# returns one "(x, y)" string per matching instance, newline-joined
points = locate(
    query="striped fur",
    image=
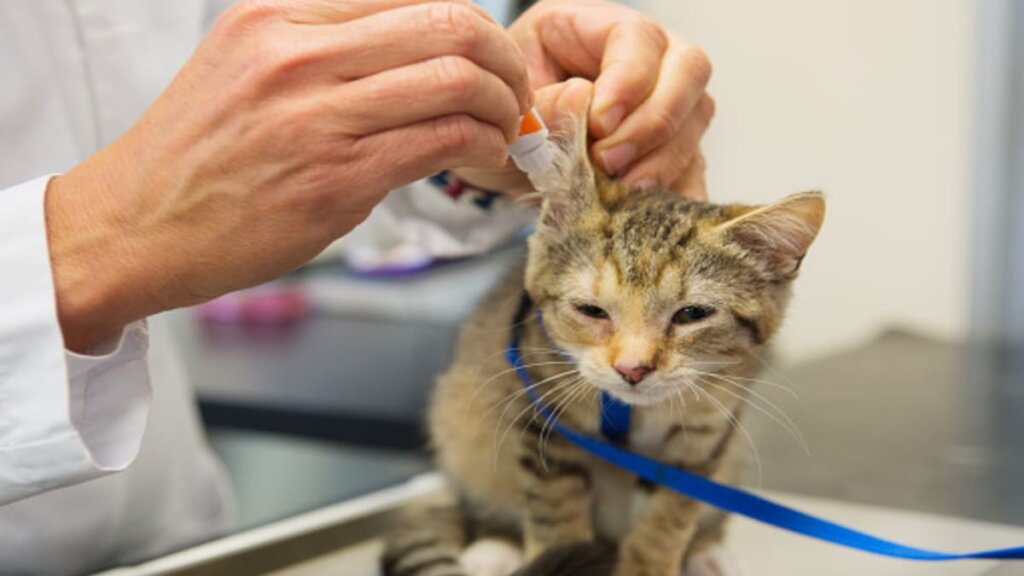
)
(641, 256)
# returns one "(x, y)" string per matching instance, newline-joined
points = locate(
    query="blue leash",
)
(615, 421)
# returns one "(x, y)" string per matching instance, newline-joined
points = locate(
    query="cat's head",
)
(646, 290)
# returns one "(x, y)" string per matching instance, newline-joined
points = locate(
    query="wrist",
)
(98, 283)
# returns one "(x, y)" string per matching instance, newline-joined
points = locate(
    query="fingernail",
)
(646, 184)
(618, 157)
(611, 118)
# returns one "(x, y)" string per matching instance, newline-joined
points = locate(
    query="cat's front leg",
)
(659, 537)
(663, 532)
(555, 485)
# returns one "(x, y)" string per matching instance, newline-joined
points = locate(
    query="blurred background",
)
(901, 341)
(876, 103)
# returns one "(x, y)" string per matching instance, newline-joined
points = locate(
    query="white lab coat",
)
(74, 74)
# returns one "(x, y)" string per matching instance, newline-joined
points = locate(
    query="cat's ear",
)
(570, 189)
(778, 234)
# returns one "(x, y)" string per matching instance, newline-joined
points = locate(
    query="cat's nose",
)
(633, 373)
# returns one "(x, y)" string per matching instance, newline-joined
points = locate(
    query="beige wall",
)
(870, 101)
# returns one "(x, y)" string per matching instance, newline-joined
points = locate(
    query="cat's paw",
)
(491, 557)
(715, 561)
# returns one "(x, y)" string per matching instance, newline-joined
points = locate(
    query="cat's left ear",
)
(779, 234)
(570, 190)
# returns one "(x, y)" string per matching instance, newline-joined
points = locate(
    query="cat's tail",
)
(426, 542)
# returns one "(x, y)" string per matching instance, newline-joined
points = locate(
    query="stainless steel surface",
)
(276, 476)
(372, 346)
(345, 539)
(295, 540)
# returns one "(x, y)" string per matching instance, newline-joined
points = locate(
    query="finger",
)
(629, 70)
(382, 41)
(333, 11)
(440, 87)
(691, 182)
(416, 151)
(622, 49)
(680, 87)
(543, 69)
(663, 166)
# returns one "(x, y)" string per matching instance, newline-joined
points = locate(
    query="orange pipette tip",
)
(530, 124)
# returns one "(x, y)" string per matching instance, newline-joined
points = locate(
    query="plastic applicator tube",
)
(532, 152)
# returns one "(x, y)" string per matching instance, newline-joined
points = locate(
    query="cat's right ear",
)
(570, 190)
(778, 234)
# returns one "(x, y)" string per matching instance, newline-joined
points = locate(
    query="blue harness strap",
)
(615, 426)
(616, 416)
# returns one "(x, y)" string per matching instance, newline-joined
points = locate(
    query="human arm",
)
(257, 154)
(287, 125)
(64, 417)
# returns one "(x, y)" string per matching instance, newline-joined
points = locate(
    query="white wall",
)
(870, 101)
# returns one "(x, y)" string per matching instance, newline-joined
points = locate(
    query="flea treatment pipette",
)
(532, 151)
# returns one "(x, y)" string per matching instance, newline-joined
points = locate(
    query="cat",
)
(664, 303)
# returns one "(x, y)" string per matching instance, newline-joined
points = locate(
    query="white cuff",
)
(64, 418)
(109, 397)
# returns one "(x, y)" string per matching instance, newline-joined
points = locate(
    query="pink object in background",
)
(267, 305)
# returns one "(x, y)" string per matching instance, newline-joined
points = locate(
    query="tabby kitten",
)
(658, 300)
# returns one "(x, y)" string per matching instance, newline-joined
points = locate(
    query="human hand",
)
(288, 124)
(650, 108)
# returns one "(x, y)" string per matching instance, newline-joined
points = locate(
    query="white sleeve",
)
(64, 418)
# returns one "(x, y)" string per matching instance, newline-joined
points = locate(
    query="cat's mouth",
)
(641, 395)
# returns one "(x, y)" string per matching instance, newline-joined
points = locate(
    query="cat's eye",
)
(591, 311)
(690, 314)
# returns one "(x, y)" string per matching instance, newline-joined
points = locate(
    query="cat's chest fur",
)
(617, 498)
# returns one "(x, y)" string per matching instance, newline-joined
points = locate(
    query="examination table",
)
(344, 539)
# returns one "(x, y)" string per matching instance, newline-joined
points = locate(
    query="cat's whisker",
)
(526, 352)
(682, 403)
(529, 350)
(716, 362)
(533, 349)
(787, 424)
(750, 440)
(529, 407)
(552, 412)
(768, 366)
(501, 373)
(523, 350)
(759, 381)
(750, 390)
(528, 389)
(500, 441)
(507, 400)
(580, 390)
(511, 397)
(564, 389)
(578, 387)
(696, 392)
